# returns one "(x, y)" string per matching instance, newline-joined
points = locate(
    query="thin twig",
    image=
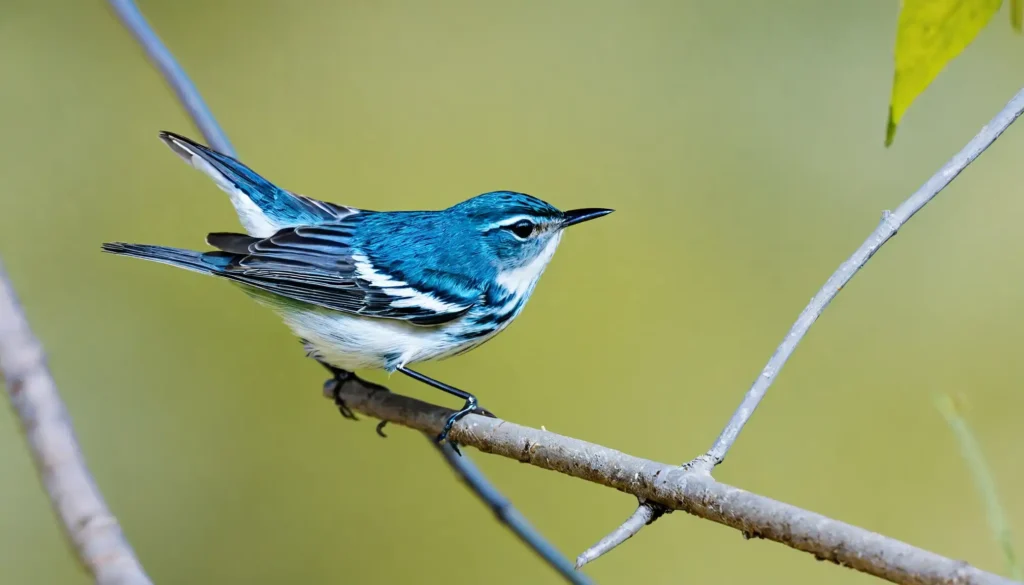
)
(201, 116)
(887, 228)
(88, 523)
(677, 488)
(983, 479)
(506, 513)
(644, 514)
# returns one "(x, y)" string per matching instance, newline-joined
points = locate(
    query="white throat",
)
(521, 281)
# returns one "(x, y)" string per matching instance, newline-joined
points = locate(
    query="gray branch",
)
(887, 228)
(677, 488)
(88, 523)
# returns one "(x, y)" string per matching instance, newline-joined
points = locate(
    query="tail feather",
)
(201, 262)
(263, 208)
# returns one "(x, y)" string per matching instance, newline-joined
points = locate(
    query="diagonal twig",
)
(506, 513)
(88, 523)
(201, 116)
(890, 224)
(676, 488)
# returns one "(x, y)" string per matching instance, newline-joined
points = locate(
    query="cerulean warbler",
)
(372, 289)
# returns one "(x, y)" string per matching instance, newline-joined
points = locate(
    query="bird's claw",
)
(469, 408)
(484, 412)
(332, 389)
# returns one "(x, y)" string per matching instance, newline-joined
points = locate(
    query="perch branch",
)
(887, 228)
(89, 525)
(677, 488)
(203, 118)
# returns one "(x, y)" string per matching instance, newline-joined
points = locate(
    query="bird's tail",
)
(263, 208)
(203, 263)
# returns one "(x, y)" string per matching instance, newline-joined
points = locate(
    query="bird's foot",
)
(332, 390)
(470, 407)
(333, 387)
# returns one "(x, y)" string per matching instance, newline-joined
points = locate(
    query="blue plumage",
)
(368, 289)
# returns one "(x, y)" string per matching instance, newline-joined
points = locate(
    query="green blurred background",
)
(740, 142)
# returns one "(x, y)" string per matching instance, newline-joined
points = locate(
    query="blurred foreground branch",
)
(986, 484)
(891, 222)
(86, 520)
(677, 488)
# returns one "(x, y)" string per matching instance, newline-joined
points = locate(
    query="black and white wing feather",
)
(318, 265)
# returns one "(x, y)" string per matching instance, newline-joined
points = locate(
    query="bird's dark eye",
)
(522, 228)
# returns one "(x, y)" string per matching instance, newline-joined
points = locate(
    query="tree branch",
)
(463, 467)
(679, 489)
(887, 228)
(88, 523)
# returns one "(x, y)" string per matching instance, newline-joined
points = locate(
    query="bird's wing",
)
(318, 265)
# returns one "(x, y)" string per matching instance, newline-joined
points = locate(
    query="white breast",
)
(353, 342)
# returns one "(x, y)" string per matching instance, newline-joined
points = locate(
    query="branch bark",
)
(89, 525)
(677, 488)
(887, 228)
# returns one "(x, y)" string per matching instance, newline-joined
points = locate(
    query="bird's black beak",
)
(575, 216)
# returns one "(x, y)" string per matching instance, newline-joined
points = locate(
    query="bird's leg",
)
(469, 407)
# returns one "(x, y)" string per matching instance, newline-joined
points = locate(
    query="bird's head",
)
(520, 233)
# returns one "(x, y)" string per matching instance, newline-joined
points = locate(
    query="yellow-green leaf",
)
(1017, 14)
(929, 34)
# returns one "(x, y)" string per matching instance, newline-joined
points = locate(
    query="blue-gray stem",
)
(201, 116)
(887, 228)
(506, 513)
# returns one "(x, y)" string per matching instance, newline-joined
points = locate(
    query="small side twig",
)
(644, 514)
(204, 120)
(676, 488)
(887, 228)
(88, 523)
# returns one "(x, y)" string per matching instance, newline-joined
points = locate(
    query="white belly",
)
(351, 342)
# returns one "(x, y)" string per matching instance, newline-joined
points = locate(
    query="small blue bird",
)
(371, 289)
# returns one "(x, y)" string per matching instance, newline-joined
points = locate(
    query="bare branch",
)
(887, 228)
(88, 523)
(676, 488)
(194, 104)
